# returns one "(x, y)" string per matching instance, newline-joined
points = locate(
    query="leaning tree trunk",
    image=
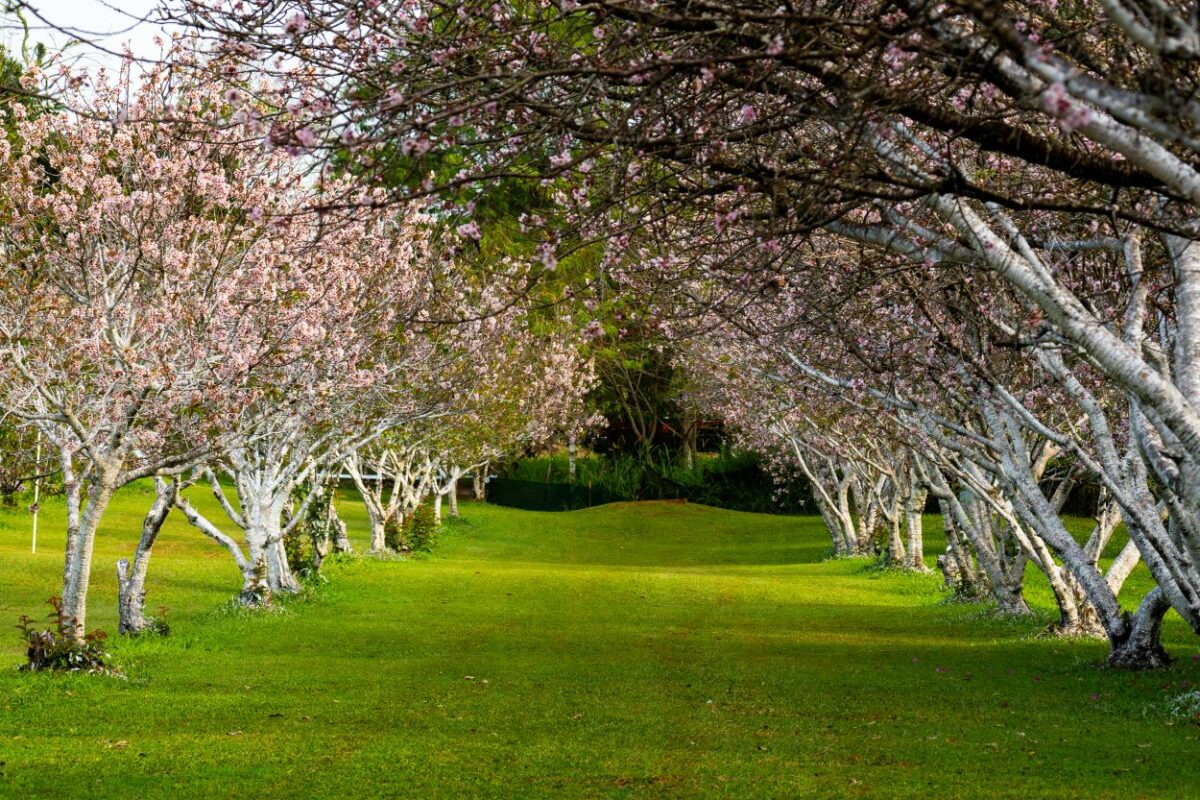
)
(850, 533)
(131, 580)
(836, 525)
(962, 574)
(249, 568)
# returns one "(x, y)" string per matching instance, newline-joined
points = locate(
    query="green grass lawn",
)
(628, 651)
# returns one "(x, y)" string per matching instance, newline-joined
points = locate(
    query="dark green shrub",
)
(394, 535)
(725, 479)
(307, 544)
(421, 530)
(298, 546)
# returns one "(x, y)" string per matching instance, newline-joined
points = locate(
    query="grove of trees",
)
(912, 252)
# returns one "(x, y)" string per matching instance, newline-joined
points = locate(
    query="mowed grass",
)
(630, 651)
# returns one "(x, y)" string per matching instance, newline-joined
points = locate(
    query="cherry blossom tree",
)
(982, 421)
(139, 240)
(1023, 159)
(346, 307)
(504, 386)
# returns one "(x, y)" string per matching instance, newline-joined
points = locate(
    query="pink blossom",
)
(307, 137)
(296, 24)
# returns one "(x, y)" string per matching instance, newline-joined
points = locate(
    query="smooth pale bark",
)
(1157, 399)
(914, 523)
(480, 483)
(865, 502)
(1126, 480)
(279, 572)
(403, 478)
(891, 476)
(831, 488)
(253, 588)
(1159, 378)
(448, 489)
(847, 520)
(1002, 576)
(1157, 374)
(895, 551)
(1035, 520)
(261, 513)
(1122, 566)
(72, 490)
(100, 485)
(571, 457)
(379, 509)
(341, 541)
(131, 578)
(1038, 513)
(960, 571)
(1107, 350)
(265, 478)
(887, 497)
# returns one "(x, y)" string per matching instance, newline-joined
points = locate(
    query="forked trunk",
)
(1142, 649)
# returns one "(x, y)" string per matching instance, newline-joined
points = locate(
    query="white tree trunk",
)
(914, 523)
(131, 579)
(571, 458)
(100, 487)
